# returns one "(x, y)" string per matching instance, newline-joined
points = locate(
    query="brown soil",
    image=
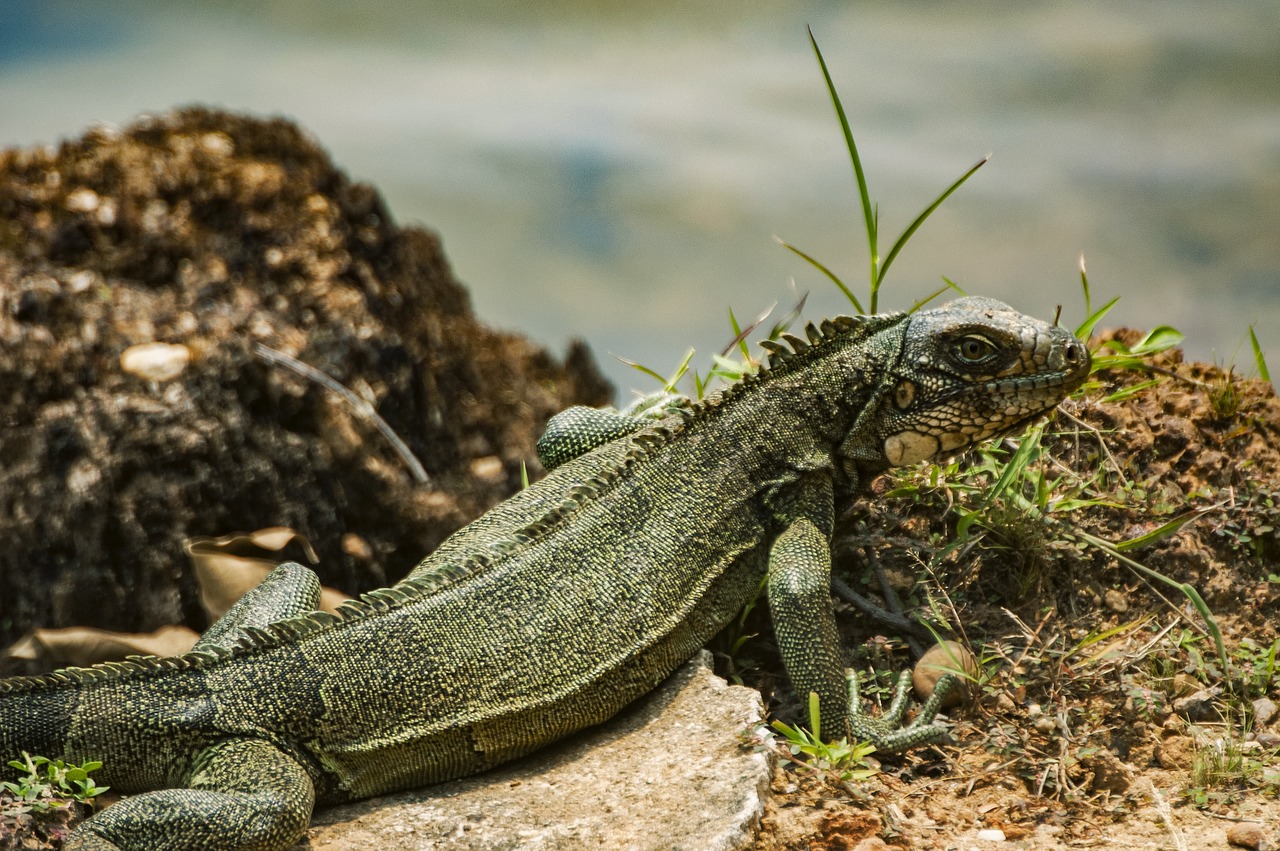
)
(1083, 737)
(219, 232)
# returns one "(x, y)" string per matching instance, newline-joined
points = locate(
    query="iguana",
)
(558, 607)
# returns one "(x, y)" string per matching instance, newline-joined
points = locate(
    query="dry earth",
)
(1102, 717)
(217, 233)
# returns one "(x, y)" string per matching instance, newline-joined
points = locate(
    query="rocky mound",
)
(217, 233)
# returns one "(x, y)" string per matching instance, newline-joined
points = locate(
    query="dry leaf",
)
(226, 569)
(83, 646)
(229, 567)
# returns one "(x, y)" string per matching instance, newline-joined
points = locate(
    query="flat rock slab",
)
(669, 773)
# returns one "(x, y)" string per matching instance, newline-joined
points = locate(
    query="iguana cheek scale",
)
(558, 607)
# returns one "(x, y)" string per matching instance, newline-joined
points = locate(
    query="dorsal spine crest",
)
(644, 444)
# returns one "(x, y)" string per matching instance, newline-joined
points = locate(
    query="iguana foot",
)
(886, 732)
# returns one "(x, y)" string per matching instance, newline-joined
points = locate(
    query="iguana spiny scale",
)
(556, 608)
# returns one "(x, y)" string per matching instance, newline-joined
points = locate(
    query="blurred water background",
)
(618, 171)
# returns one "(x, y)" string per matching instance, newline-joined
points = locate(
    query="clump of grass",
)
(806, 748)
(1225, 397)
(1224, 765)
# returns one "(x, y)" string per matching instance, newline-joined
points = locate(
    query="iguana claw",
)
(886, 732)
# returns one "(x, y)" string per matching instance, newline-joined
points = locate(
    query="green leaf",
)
(1157, 340)
(920, 219)
(868, 213)
(853, 299)
(1258, 357)
(1086, 327)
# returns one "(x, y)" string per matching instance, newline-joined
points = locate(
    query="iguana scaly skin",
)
(558, 607)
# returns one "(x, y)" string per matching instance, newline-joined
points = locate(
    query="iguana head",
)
(967, 371)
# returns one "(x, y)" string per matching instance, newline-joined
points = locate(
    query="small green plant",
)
(1250, 524)
(50, 783)
(849, 761)
(1225, 396)
(1222, 765)
(1256, 665)
(871, 211)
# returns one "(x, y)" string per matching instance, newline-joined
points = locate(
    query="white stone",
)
(155, 361)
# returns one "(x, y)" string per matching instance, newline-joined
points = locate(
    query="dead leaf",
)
(229, 567)
(84, 646)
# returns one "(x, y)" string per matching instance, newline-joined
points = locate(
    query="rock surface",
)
(669, 773)
(212, 233)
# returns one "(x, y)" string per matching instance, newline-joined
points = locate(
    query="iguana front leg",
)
(799, 592)
(242, 795)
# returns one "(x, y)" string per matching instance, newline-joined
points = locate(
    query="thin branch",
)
(360, 406)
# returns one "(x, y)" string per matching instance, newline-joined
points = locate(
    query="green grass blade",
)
(930, 297)
(1162, 531)
(815, 716)
(739, 336)
(740, 340)
(1016, 466)
(867, 212)
(1131, 390)
(670, 383)
(640, 367)
(1186, 589)
(1086, 327)
(824, 270)
(1258, 357)
(1084, 285)
(920, 219)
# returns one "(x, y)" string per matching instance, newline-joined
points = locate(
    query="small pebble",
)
(939, 660)
(82, 200)
(991, 834)
(1198, 706)
(155, 361)
(1116, 601)
(488, 469)
(1248, 834)
(1264, 709)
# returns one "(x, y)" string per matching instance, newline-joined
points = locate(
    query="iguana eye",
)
(975, 348)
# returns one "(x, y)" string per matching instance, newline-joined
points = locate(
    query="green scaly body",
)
(558, 607)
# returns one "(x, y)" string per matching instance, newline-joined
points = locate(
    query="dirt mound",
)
(218, 232)
(1105, 715)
